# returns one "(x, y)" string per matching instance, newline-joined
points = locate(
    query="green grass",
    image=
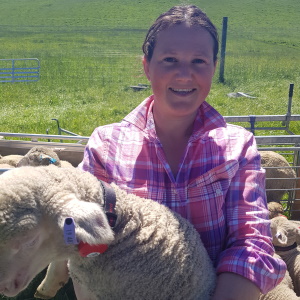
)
(90, 53)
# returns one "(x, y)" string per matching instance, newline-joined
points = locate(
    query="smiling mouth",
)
(182, 92)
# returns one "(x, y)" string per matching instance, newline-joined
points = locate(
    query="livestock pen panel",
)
(280, 188)
(282, 177)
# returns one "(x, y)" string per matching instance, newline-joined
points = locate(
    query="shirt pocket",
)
(206, 195)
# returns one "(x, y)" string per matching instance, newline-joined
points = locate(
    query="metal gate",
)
(289, 147)
(19, 70)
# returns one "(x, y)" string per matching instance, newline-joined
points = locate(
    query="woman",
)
(176, 149)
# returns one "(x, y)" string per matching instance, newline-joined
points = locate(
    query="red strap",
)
(87, 250)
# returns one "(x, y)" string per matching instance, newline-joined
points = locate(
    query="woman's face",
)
(181, 69)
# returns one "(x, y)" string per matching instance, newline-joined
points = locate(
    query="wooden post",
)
(223, 49)
(291, 91)
(286, 123)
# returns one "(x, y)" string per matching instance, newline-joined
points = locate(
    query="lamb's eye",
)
(30, 243)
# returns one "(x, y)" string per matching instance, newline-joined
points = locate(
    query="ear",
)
(23, 162)
(281, 238)
(91, 224)
(146, 67)
(215, 65)
(297, 234)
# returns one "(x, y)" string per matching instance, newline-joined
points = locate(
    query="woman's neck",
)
(174, 134)
(174, 127)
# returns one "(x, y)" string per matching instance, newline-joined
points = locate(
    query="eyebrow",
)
(174, 52)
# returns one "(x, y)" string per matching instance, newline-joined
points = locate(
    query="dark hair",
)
(187, 14)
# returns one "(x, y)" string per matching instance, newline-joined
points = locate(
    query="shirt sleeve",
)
(94, 156)
(249, 250)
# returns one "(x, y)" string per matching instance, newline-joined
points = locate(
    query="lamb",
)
(280, 176)
(153, 253)
(286, 240)
(283, 291)
(6, 166)
(11, 160)
(39, 156)
(65, 164)
(36, 156)
(275, 209)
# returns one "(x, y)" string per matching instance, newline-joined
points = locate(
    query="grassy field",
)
(90, 54)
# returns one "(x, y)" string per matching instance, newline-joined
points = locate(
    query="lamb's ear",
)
(280, 238)
(91, 225)
(297, 233)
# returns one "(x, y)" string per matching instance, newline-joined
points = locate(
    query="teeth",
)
(182, 90)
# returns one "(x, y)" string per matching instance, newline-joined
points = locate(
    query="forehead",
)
(181, 37)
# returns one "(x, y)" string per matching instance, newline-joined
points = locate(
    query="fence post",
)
(223, 49)
(13, 70)
(291, 91)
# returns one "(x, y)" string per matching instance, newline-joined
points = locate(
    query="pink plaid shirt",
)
(219, 187)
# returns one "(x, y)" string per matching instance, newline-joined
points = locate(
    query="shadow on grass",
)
(65, 293)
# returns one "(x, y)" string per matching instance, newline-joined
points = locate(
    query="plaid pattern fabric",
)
(219, 187)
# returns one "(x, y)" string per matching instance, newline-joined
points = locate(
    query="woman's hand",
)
(232, 286)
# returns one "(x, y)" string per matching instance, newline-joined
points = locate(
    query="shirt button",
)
(218, 192)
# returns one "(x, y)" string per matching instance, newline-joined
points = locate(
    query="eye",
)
(198, 61)
(30, 243)
(170, 59)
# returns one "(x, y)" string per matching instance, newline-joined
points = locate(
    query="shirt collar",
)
(206, 120)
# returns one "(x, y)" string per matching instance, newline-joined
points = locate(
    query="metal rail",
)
(287, 145)
(36, 137)
(19, 70)
(254, 119)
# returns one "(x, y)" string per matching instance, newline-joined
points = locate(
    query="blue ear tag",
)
(69, 231)
(52, 160)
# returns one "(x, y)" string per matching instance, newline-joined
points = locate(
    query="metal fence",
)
(287, 185)
(286, 145)
(19, 70)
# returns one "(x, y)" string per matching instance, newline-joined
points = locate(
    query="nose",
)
(184, 72)
(3, 287)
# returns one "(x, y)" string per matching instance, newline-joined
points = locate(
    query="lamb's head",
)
(34, 204)
(275, 209)
(40, 156)
(285, 233)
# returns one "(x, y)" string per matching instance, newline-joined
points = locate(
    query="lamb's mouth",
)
(182, 92)
(15, 287)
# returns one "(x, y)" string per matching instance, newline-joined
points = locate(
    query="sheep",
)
(280, 176)
(6, 166)
(153, 253)
(43, 156)
(39, 156)
(11, 160)
(66, 164)
(286, 240)
(283, 291)
(275, 209)
(36, 156)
